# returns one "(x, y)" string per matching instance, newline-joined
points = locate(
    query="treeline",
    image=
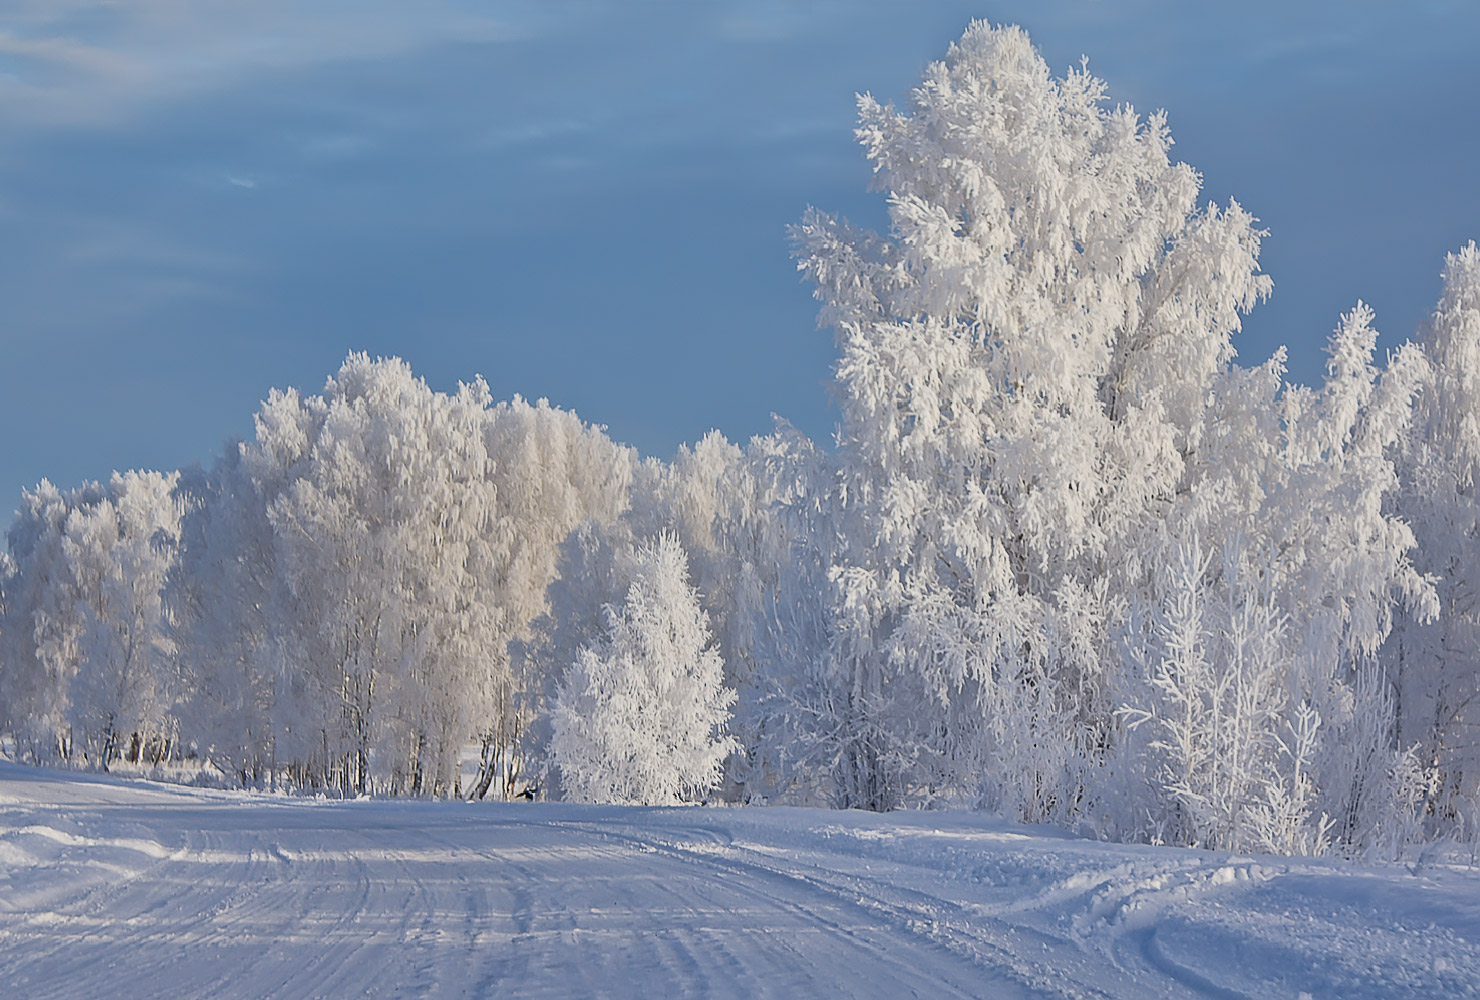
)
(1069, 560)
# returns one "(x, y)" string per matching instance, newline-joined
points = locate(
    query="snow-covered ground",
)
(111, 887)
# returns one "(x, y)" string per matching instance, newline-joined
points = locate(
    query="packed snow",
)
(119, 887)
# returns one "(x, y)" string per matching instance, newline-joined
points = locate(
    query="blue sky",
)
(588, 201)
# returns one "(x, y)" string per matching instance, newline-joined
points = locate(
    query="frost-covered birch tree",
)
(220, 593)
(1436, 664)
(749, 521)
(1254, 677)
(39, 637)
(119, 553)
(1024, 362)
(380, 500)
(90, 673)
(551, 473)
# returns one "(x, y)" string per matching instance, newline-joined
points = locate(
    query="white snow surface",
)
(118, 887)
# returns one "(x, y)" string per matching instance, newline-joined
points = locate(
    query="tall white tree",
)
(119, 552)
(552, 473)
(220, 596)
(641, 716)
(1025, 359)
(89, 672)
(380, 500)
(1437, 663)
(39, 639)
(14, 706)
(788, 717)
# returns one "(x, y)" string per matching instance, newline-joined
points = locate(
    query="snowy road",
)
(115, 888)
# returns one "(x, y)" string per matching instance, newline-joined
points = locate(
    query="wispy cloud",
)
(49, 57)
(78, 64)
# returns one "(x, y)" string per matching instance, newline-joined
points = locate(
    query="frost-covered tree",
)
(1347, 568)
(1254, 677)
(39, 639)
(719, 500)
(641, 716)
(13, 710)
(119, 553)
(90, 673)
(220, 595)
(1437, 663)
(1025, 359)
(787, 689)
(1223, 757)
(551, 473)
(379, 498)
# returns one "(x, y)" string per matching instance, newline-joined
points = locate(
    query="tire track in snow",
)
(691, 889)
(940, 922)
(47, 947)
